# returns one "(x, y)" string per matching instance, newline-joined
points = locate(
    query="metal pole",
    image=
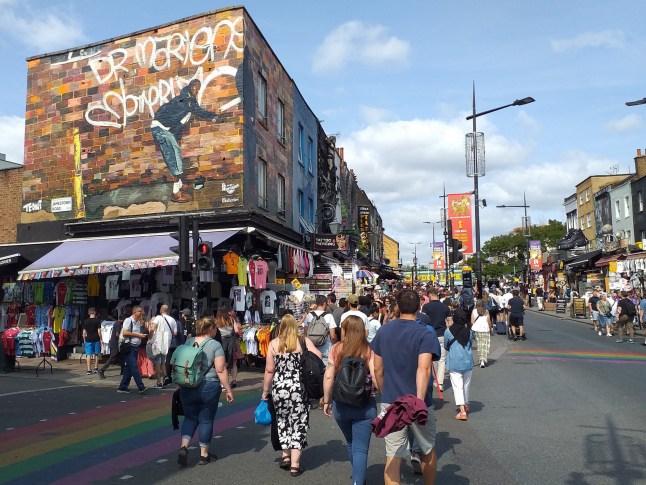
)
(445, 218)
(477, 198)
(194, 282)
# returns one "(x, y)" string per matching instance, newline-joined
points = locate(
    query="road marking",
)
(43, 420)
(126, 477)
(217, 437)
(9, 429)
(163, 460)
(241, 427)
(38, 390)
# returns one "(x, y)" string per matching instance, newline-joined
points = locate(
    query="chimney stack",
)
(640, 163)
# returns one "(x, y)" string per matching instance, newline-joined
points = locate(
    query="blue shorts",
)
(92, 348)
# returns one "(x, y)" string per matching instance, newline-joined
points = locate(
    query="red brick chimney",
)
(640, 163)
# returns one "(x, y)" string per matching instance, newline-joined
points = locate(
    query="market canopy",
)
(112, 254)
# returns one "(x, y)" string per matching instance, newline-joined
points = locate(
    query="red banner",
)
(459, 213)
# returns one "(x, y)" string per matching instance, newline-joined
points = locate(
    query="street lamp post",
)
(413, 276)
(474, 134)
(433, 243)
(526, 232)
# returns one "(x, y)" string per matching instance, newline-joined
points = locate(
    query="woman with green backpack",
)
(200, 394)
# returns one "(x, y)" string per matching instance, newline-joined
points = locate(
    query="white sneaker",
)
(599, 333)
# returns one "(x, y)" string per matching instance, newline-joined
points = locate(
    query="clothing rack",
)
(44, 363)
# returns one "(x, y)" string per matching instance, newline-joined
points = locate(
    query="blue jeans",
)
(170, 150)
(324, 348)
(200, 405)
(355, 426)
(131, 370)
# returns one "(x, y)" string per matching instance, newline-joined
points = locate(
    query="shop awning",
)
(607, 260)
(583, 261)
(111, 254)
(14, 257)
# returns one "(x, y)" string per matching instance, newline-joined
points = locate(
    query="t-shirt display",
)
(268, 300)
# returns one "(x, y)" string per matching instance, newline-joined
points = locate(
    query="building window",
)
(280, 120)
(311, 205)
(301, 144)
(627, 206)
(582, 223)
(628, 236)
(640, 201)
(587, 195)
(589, 217)
(281, 195)
(617, 210)
(262, 98)
(262, 183)
(310, 154)
(581, 198)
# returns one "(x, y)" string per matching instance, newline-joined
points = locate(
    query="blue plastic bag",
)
(261, 414)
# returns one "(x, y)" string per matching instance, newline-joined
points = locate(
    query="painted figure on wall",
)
(168, 126)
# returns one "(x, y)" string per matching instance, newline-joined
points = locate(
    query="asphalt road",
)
(563, 407)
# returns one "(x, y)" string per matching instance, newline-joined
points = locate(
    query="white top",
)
(480, 323)
(356, 313)
(329, 319)
(373, 326)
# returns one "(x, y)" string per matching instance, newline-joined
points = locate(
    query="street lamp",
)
(433, 244)
(474, 135)
(414, 260)
(526, 232)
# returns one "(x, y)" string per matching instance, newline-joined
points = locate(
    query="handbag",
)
(261, 415)
(173, 338)
(153, 349)
(124, 343)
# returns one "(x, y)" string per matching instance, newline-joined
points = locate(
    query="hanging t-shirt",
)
(135, 286)
(261, 268)
(268, 300)
(112, 287)
(58, 316)
(271, 272)
(231, 260)
(238, 294)
(93, 285)
(242, 271)
(282, 299)
(61, 293)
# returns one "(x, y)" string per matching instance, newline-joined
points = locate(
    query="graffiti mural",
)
(147, 123)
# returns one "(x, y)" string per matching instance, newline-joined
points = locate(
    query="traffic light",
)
(456, 253)
(182, 250)
(205, 256)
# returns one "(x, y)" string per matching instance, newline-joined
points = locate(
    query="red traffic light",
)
(204, 249)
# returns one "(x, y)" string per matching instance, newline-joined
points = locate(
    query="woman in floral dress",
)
(283, 381)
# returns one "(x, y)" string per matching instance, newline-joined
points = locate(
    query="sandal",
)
(295, 471)
(285, 463)
(461, 416)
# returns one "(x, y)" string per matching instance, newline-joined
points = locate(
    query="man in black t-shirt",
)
(516, 307)
(594, 311)
(626, 312)
(92, 340)
(438, 312)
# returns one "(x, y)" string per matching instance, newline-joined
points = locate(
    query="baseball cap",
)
(352, 299)
(186, 312)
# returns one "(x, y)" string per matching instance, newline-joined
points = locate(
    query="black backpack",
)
(466, 302)
(630, 308)
(312, 370)
(350, 383)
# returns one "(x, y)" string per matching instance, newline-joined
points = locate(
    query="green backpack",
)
(186, 364)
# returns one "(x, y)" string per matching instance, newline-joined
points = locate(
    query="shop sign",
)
(296, 283)
(63, 204)
(578, 307)
(331, 242)
(9, 260)
(280, 281)
(561, 304)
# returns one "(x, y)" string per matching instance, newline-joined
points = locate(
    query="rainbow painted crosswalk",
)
(100, 443)
(581, 355)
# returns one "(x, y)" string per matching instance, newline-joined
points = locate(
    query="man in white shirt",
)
(353, 301)
(505, 303)
(324, 348)
(165, 330)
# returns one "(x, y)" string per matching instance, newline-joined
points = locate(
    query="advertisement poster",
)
(459, 213)
(438, 256)
(364, 227)
(535, 256)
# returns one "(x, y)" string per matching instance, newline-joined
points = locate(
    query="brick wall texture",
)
(11, 183)
(105, 97)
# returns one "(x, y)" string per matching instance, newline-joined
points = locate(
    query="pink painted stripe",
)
(137, 457)
(579, 359)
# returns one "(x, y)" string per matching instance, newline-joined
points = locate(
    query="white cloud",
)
(371, 114)
(43, 29)
(356, 42)
(12, 136)
(606, 38)
(404, 165)
(628, 123)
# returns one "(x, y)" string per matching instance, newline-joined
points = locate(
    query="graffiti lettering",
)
(33, 206)
(229, 188)
(116, 106)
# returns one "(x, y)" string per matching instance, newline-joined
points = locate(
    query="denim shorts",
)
(397, 442)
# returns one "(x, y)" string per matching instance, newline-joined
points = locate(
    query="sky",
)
(394, 82)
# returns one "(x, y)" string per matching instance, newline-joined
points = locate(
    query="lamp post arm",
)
(489, 111)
